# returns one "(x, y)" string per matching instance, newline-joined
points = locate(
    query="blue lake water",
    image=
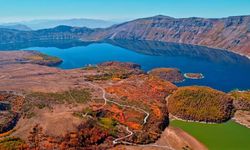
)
(222, 70)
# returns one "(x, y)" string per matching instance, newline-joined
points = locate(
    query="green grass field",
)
(225, 136)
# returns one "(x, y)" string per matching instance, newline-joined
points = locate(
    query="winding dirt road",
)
(120, 139)
(116, 141)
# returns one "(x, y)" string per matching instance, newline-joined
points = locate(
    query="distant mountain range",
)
(44, 24)
(231, 33)
(16, 27)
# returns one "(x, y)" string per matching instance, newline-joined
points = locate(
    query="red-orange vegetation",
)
(133, 125)
(89, 135)
(147, 93)
(142, 87)
(156, 110)
(123, 116)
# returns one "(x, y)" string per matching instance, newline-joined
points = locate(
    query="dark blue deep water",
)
(222, 70)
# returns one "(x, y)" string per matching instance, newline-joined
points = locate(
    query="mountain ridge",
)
(20, 27)
(230, 33)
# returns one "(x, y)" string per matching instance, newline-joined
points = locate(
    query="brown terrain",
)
(96, 107)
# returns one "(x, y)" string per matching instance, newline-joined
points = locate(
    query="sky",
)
(20, 10)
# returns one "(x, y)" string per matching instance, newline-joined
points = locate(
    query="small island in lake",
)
(194, 75)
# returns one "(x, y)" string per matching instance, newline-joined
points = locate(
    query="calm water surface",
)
(224, 136)
(222, 70)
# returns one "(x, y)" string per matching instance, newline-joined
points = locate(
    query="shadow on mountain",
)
(185, 50)
(60, 44)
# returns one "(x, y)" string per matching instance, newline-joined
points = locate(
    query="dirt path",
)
(120, 139)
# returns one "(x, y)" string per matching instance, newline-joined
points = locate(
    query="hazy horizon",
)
(112, 10)
(111, 20)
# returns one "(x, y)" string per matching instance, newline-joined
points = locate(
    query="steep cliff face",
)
(232, 33)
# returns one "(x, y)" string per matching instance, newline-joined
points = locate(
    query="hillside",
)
(57, 33)
(200, 104)
(227, 33)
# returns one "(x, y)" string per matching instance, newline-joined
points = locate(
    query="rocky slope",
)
(57, 33)
(232, 33)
